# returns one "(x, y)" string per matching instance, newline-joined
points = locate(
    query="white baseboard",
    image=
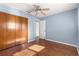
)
(31, 40)
(62, 43)
(65, 44)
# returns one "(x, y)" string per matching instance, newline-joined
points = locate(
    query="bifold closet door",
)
(11, 30)
(3, 38)
(17, 30)
(23, 30)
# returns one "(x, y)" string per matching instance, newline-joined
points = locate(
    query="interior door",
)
(17, 30)
(3, 38)
(37, 29)
(11, 30)
(23, 30)
(42, 30)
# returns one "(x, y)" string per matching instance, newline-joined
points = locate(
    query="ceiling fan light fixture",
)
(38, 10)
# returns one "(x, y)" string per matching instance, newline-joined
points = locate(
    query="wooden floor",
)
(42, 48)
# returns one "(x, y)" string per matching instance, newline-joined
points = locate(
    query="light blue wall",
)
(31, 20)
(62, 27)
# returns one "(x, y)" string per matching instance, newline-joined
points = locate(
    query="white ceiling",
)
(54, 8)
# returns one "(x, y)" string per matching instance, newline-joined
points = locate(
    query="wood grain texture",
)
(48, 49)
(23, 30)
(13, 30)
(55, 49)
(3, 30)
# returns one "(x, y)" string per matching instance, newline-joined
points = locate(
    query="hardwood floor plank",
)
(42, 48)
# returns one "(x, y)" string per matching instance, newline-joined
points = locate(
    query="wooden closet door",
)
(17, 30)
(23, 30)
(3, 39)
(11, 30)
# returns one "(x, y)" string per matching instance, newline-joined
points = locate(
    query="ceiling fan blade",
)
(36, 6)
(28, 11)
(42, 12)
(46, 9)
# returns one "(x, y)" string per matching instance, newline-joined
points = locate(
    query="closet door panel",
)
(11, 30)
(17, 30)
(3, 39)
(21, 37)
(23, 30)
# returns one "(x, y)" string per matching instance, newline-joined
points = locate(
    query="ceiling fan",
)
(38, 9)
